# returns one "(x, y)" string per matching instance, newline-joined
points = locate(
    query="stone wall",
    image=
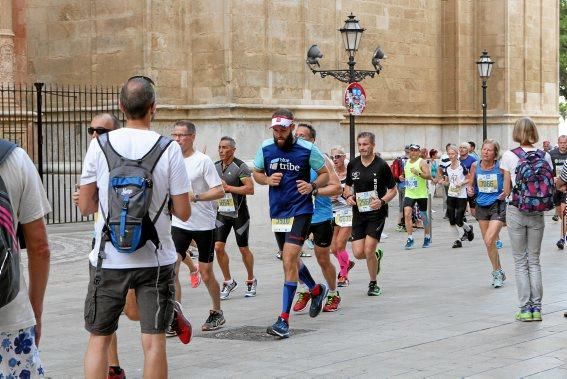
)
(228, 63)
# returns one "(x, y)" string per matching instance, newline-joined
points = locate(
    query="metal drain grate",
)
(248, 333)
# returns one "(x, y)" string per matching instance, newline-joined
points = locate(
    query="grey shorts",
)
(155, 297)
(496, 211)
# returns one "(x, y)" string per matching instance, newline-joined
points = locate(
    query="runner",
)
(416, 172)
(206, 186)
(467, 160)
(444, 162)
(233, 214)
(491, 185)
(283, 163)
(457, 178)
(369, 187)
(341, 233)
(558, 157)
(401, 183)
(322, 230)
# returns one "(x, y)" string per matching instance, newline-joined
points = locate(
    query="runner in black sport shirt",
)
(233, 214)
(369, 187)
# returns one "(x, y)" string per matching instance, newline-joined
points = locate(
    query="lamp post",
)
(351, 33)
(484, 66)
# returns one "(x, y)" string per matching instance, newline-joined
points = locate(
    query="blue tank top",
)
(323, 206)
(489, 184)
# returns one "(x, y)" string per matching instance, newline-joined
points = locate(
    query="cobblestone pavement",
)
(438, 316)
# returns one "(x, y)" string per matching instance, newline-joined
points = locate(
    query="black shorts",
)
(322, 233)
(472, 201)
(155, 296)
(241, 227)
(298, 233)
(363, 226)
(558, 198)
(204, 239)
(496, 211)
(421, 203)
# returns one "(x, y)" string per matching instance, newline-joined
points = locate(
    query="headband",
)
(282, 121)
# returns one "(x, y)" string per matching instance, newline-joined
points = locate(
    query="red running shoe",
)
(115, 374)
(181, 325)
(302, 300)
(332, 304)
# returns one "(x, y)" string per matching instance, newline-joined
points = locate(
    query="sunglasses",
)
(149, 80)
(338, 156)
(98, 130)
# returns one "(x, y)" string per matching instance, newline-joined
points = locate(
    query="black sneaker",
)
(470, 234)
(457, 244)
(561, 244)
(318, 301)
(215, 321)
(373, 289)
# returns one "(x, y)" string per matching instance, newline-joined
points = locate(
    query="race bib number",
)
(411, 183)
(343, 217)
(363, 200)
(282, 225)
(453, 191)
(226, 204)
(487, 183)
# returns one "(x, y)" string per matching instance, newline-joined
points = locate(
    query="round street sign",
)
(355, 99)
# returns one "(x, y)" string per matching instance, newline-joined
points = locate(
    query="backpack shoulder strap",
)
(519, 152)
(150, 160)
(540, 153)
(6, 148)
(112, 157)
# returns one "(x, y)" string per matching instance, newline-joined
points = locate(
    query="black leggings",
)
(456, 210)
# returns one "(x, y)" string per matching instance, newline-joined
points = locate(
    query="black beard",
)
(288, 143)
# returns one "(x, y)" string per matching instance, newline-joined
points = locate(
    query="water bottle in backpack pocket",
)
(535, 184)
(130, 187)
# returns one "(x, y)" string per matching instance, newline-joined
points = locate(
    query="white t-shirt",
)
(456, 176)
(203, 176)
(29, 203)
(509, 162)
(169, 177)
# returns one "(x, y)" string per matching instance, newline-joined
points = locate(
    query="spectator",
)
(20, 319)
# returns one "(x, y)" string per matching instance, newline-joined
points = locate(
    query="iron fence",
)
(50, 122)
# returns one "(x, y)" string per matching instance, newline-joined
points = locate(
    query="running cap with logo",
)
(282, 121)
(414, 146)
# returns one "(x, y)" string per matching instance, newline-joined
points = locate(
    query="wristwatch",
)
(196, 198)
(314, 186)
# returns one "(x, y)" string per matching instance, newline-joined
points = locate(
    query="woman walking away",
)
(530, 171)
(491, 184)
(457, 178)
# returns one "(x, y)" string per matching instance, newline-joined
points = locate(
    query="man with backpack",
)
(23, 200)
(128, 176)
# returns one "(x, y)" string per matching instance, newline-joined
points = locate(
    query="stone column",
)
(6, 43)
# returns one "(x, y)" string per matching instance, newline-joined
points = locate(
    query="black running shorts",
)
(241, 227)
(367, 225)
(204, 239)
(322, 233)
(298, 234)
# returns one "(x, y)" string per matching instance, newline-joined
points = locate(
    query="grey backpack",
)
(130, 183)
(9, 248)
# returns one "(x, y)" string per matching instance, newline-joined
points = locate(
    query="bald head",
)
(137, 98)
(106, 121)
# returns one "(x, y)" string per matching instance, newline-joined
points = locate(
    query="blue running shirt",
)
(285, 200)
(323, 205)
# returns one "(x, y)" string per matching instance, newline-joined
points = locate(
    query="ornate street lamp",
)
(351, 33)
(484, 66)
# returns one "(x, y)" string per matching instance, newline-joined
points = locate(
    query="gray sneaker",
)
(227, 288)
(251, 288)
(215, 321)
(497, 279)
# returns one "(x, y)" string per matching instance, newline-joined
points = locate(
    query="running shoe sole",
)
(275, 333)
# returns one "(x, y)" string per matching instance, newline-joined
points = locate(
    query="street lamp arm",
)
(346, 76)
